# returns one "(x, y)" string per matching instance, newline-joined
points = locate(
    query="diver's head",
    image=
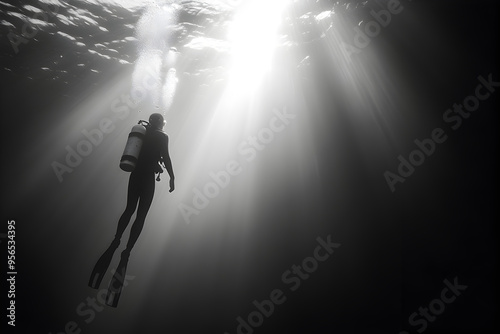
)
(157, 121)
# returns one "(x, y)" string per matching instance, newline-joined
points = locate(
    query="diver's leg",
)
(132, 199)
(103, 263)
(145, 200)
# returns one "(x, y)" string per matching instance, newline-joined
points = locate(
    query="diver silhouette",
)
(141, 189)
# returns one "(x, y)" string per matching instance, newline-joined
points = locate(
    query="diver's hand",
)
(172, 186)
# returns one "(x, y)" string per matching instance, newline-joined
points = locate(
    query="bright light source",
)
(252, 34)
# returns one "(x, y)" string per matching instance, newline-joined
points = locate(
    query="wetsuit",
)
(141, 185)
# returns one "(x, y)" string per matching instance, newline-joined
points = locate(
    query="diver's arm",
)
(168, 164)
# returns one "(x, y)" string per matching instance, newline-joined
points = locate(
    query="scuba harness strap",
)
(160, 163)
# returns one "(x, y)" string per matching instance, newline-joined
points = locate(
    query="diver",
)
(141, 185)
(141, 189)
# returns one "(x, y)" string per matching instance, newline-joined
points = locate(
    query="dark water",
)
(397, 248)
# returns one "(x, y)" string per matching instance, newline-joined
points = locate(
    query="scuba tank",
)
(133, 146)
